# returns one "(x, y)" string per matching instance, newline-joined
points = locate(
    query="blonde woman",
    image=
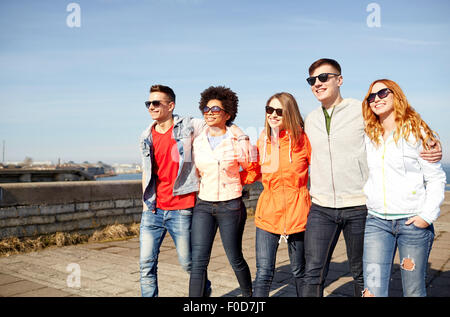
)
(403, 191)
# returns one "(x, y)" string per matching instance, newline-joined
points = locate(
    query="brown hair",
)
(164, 89)
(323, 61)
(406, 118)
(292, 119)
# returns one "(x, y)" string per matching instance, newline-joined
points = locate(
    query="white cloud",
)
(411, 42)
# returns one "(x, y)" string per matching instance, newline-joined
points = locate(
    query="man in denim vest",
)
(169, 184)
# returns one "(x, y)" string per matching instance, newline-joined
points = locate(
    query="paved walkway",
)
(111, 269)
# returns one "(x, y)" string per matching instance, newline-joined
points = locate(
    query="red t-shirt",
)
(166, 168)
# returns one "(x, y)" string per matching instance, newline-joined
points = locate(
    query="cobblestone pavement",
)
(111, 269)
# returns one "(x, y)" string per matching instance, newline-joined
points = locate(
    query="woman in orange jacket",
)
(283, 206)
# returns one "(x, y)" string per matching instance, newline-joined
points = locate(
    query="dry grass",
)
(116, 232)
(15, 245)
(250, 212)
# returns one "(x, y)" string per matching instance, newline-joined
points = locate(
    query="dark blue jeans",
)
(323, 228)
(229, 216)
(266, 252)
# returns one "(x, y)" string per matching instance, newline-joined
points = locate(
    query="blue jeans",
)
(152, 231)
(382, 237)
(266, 252)
(229, 216)
(323, 227)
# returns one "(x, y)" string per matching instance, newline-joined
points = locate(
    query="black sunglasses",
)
(270, 110)
(213, 109)
(322, 77)
(383, 93)
(156, 103)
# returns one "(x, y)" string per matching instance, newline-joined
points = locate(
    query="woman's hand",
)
(417, 221)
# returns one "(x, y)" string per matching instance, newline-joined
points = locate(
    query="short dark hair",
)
(228, 98)
(323, 61)
(164, 89)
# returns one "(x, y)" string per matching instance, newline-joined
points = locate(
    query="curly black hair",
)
(228, 98)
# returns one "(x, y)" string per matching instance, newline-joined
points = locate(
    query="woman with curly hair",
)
(403, 191)
(219, 152)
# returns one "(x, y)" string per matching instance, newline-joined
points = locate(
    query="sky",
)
(76, 91)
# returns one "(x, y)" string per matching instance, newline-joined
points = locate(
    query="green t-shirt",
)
(327, 118)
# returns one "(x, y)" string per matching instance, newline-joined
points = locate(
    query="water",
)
(447, 172)
(121, 177)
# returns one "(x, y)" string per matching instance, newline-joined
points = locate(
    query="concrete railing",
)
(32, 209)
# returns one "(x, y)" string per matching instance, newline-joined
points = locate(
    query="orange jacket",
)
(283, 205)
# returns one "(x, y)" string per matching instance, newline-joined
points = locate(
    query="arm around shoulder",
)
(435, 180)
(434, 154)
(199, 125)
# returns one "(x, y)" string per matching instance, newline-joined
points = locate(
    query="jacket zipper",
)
(284, 194)
(384, 180)
(332, 174)
(331, 158)
(218, 179)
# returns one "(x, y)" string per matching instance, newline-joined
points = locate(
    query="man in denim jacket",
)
(169, 184)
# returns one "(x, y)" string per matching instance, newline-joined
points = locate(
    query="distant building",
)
(95, 170)
(126, 168)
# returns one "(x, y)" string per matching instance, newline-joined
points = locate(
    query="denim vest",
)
(187, 180)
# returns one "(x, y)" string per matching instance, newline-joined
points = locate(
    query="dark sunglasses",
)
(213, 109)
(270, 110)
(156, 103)
(322, 77)
(383, 93)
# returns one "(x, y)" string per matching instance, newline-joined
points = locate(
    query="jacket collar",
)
(176, 119)
(205, 132)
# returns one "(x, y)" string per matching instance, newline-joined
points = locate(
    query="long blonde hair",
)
(292, 119)
(407, 120)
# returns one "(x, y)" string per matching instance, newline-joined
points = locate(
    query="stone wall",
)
(250, 195)
(32, 209)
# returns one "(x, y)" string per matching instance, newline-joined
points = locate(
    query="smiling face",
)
(328, 92)
(274, 120)
(164, 110)
(219, 119)
(382, 107)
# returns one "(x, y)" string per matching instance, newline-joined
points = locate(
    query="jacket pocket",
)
(145, 148)
(413, 197)
(363, 169)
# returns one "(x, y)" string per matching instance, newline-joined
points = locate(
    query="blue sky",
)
(78, 93)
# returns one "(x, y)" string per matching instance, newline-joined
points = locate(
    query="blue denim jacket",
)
(184, 131)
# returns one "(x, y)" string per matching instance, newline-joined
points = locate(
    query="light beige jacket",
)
(338, 169)
(219, 168)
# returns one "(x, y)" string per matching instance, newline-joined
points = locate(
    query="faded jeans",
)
(323, 227)
(266, 251)
(152, 232)
(382, 238)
